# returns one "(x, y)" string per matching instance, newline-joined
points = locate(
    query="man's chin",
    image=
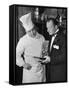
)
(50, 33)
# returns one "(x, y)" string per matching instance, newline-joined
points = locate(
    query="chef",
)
(31, 45)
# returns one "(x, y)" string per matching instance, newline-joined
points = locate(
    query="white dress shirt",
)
(53, 38)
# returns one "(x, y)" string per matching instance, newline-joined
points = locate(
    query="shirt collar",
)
(56, 31)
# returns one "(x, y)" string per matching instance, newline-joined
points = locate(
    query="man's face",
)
(50, 28)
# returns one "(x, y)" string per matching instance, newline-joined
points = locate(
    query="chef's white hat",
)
(27, 22)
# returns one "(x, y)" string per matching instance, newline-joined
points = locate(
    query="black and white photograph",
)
(37, 44)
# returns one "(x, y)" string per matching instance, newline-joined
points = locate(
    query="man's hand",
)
(47, 60)
(27, 66)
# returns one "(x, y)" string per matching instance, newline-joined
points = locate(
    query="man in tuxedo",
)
(57, 68)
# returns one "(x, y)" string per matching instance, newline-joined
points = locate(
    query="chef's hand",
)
(27, 66)
(47, 60)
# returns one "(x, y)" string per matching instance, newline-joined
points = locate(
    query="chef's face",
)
(51, 28)
(32, 33)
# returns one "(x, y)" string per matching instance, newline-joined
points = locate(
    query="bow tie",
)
(53, 34)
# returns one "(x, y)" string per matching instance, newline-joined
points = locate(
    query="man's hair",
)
(55, 22)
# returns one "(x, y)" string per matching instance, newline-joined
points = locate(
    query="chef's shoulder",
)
(23, 39)
(41, 37)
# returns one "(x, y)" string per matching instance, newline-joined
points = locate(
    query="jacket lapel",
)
(54, 42)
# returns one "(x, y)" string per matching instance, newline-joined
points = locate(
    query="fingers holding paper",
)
(47, 60)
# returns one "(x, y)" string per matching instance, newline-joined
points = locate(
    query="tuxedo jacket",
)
(57, 68)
